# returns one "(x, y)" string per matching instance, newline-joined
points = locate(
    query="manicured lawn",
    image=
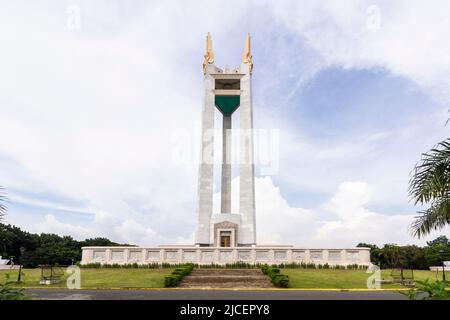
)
(98, 278)
(344, 279)
(154, 278)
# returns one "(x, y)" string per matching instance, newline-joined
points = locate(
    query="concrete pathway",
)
(196, 294)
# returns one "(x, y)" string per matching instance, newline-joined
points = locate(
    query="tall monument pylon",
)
(227, 90)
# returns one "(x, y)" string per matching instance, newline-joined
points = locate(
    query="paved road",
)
(63, 294)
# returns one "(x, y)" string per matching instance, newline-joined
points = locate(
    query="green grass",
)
(344, 279)
(154, 278)
(97, 278)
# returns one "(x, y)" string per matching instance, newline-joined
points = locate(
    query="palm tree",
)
(430, 184)
(2, 204)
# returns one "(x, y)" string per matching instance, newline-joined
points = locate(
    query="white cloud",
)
(52, 225)
(410, 42)
(354, 222)
(89, 115)
(349, 222)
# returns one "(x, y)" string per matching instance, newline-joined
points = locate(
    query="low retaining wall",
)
(221, 255)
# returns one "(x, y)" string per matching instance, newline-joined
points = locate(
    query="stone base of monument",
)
(225, 278)
(225, 255)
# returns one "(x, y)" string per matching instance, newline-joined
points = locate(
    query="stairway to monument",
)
(226, 278)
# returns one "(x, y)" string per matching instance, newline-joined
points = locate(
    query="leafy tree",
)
(432, 251)
(430, 185)
(390, 256)
(97, 242)
(413, 257)
(44, 248)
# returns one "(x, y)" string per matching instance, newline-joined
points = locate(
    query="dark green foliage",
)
(177, 275)
(410, 256)
(43, 248)
(7, 292)
(430, 185)
(278, 279)
(427, 290)
(433, 256)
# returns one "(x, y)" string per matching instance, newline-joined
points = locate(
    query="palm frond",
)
(431, 176)
(434, 218)
(2, 203)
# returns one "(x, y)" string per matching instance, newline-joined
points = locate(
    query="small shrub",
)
(177, 275)
(427, 290)
(9, 293)
(278, 279)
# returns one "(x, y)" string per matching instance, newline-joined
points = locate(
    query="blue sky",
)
(92, 114)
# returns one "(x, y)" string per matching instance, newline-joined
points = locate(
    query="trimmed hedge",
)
(131, 265)
(173, 279)
(236, 265)
(278, 279)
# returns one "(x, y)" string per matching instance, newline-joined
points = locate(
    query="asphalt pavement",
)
(198, 294)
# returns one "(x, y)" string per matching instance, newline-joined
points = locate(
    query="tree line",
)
(31, 250)
(410, 256)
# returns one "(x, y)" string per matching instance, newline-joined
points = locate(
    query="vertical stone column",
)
(272, 256)
(289, 256)
(325, 256)
(247, 169)
(198, 255)
(180, 256)
(87, 256)
(205, 176)
(162, 256)
(226, 166)
(143, 255)
(308, 256)
(343, 256)
(126, 253)
(108, 255)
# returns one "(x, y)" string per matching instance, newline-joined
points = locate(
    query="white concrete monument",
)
(227, 90)
(226, 236)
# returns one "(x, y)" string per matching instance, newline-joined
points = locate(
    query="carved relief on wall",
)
(353, 256)
(172, 255)
(316, 255)
(207, 255)
(262, 255)
(117, 255)
(225, 255)
(244, 255)
(99, 256)
(189, 256)
(153, 255)
(298, 255)
(280, 255)
(134, 256)
(334, 255)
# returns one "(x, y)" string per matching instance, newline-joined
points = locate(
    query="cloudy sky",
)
(100, 105)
